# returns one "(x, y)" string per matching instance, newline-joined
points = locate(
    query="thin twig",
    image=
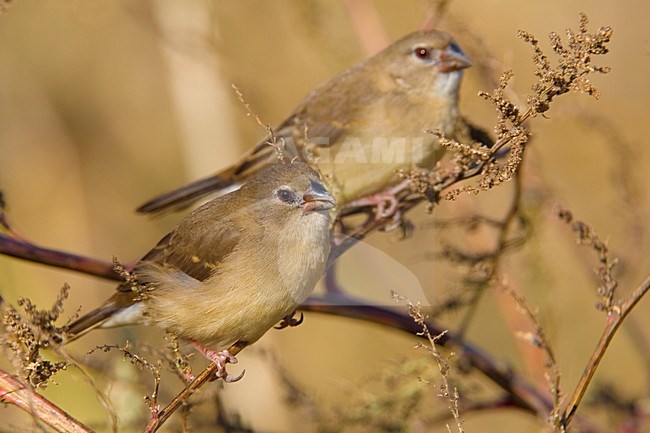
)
(415, 311)
(207, 374)
(538, 339)
(512, 216)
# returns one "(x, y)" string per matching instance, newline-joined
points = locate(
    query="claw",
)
(395, 222)
(230, 379)
(220, 358)
(290, 320)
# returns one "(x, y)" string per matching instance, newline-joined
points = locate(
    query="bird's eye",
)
(422, 53)
(285, 195)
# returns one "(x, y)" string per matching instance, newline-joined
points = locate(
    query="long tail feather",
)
(186, 195)
(90, 321)
(121, 301)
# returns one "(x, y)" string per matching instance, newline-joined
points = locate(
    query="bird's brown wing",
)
(324, 127)
(195, 250)
(178, 250)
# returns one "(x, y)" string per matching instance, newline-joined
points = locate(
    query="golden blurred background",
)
(105, 104)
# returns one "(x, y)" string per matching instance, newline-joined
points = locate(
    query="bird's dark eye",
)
(422, 53)
(286, 195)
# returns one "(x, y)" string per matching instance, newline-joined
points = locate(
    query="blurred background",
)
(105, 104)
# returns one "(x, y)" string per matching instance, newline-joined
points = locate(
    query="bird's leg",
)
(386, 203)
(290, 320)
(220, 358)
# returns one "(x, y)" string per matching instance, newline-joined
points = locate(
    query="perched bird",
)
(233, 268)
(360, 126)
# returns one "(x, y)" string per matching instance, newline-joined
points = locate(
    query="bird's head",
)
(427, 60)
(291, 188)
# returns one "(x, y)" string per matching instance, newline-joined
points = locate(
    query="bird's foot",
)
(386, 204)
(220, 358)
(290, 320)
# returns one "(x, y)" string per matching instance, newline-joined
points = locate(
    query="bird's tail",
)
(90, 321)
(186, 195)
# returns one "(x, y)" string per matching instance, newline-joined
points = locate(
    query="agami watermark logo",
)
(413, 150)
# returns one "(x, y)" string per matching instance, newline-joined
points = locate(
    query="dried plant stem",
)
(14, 392)
(538, 339)
(614, 320)
(419, 318)
(503, 242)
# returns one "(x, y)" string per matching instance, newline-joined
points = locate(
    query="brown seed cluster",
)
(574, 64)
(586, 235)
(27, 334)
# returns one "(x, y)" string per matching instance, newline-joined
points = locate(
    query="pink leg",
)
(220, 358)
(386, 202)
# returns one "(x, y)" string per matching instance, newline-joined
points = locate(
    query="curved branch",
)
(27, 251)
(13, 391)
